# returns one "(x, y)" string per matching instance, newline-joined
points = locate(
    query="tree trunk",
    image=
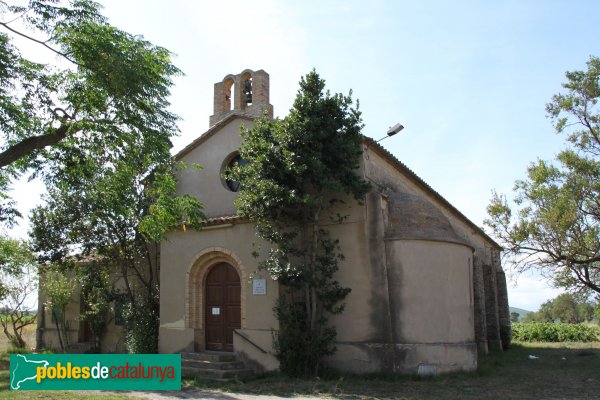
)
(313, 260)
(58, 330)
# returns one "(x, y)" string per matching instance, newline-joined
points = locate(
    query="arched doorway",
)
(222, 306)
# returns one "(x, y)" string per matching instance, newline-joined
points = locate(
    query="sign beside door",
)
(259, 287)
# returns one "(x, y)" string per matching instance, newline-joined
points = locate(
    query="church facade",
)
(427, 285)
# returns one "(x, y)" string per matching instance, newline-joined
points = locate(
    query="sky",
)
(469, 80)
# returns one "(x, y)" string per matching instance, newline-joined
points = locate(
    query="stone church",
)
(427, 285)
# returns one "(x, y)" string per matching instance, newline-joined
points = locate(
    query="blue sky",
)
(469, 80)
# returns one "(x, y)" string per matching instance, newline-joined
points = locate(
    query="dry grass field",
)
(29, 337)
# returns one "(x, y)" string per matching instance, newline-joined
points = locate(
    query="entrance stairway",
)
(213, 365)
(80, 347)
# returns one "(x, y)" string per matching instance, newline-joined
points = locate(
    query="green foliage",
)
(15, 256)
(298, 348)
(59, 288)
(514, 317)
(554, 223)
(18, 350)
(296, 171)
(567, 307)
(554, 332)
(97, 293)
(142, 328)
(95, 126)
(104, 99)
(167, 209)
(18, 282)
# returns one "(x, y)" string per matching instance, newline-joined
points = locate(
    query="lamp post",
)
(390, 132)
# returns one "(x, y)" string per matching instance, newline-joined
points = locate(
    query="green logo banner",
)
(95, 371)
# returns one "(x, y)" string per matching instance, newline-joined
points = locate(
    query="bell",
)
(248, 91)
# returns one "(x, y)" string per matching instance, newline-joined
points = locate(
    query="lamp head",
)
(394, 129)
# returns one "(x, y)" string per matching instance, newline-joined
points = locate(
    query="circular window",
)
(232, 185)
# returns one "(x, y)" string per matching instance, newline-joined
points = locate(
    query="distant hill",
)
(522, 313)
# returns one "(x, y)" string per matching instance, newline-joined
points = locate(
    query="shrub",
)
(18, 350)
(142, 324)
(554, 332)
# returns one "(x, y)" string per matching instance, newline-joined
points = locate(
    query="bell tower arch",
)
(246, 93)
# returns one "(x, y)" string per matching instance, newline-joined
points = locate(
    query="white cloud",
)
(529, 291)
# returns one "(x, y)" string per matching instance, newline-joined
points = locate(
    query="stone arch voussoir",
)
(195, 277)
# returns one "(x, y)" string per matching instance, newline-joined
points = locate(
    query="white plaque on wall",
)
(216, 311)
(259, 286)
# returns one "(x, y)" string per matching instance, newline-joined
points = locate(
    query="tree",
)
(295, 169)
(59, 289)
(14, 257)
(567, 307)
(514, 316)
(97, 293)
(114, 217)
(18, 282)
(106, 99)
(554, 224)
(97, 129)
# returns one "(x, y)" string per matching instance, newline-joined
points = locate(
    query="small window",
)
(232, 185)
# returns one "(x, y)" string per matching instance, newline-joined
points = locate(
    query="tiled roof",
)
(226, 219)
(402, 168)
(371, 144)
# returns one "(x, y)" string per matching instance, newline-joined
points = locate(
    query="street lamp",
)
(393, 130)
(390, 132)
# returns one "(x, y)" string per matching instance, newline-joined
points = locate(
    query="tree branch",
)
(31, 144)
(43, 43)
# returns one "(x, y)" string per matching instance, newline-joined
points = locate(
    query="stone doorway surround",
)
(194, 290)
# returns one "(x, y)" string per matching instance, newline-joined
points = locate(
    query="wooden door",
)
(222, 312)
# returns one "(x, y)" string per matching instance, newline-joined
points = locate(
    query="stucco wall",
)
(188, 253)
(113, 340)
(488, 309)
(432, 283)
(213, 155)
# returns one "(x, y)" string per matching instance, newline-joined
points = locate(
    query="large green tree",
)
(295, 171)
(567, 307)
(553, 225)
(96, 127)
(104, 96)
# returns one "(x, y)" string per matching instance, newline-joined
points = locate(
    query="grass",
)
(7, 394)
(28, 336)
(563, 370)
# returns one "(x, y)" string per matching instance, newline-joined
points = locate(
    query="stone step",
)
(214, 366)
(204, 364)
(217, 356)
(79, 347)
